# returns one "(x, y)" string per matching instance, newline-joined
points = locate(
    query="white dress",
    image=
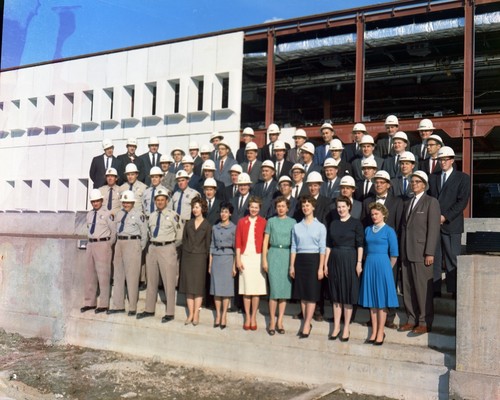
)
(252, 280)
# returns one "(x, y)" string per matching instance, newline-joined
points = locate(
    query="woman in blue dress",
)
(378, 291)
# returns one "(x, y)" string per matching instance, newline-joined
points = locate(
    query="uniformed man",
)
(132, 236)
(101, 236)
(148, 197)
(111, 192)
(181, 200)
(133, 184)
(165, 233)
(168, 179)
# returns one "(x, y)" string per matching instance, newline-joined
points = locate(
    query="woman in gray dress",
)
(221, 265)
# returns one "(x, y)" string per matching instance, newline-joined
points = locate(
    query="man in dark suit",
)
(400, 185)
(337, 153)
(151, 158)
(267, 152)
(391, 163)
(367, 146)
(431, 163)
(240, 202)
(452, 190)
(419, 238)
(194, 152)
(177, 153)
(215, 139)
(188, 164)
(266, 188)
(100, 164)
(247, 136)
(365, 187)
(331, 187)
(307, 154)
(131, 157)
(384, 146)
(300, 137)
(232, 190)
(205, 154)
(213, 204)
(299, 188)
(322, 152)
(353, 150)
(281, 165)
(425, 130)
(224, 164)
(207, 172)
(252, 165)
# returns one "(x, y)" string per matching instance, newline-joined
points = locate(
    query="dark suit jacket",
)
(357, 171)
(420, 230)
(452, 197)
(320, 155)
(425, 166)
(292, 156)
(239, 212)
(350, 152)
(228, 192)
(265, 152)
(311, 168)
(220, 190)
(124, 159)
(198, 162)
(224, 175)
(286, 166)
(397, 188)
(392, 203)
(345, 168)
(97, 170)
(292, 210)
(213, 215)
(174, 170)
(146, 161)
(255, 172)
(334, 192)
(360, 186)
(323, 207)
(266, 196)
(416, 149)
(382, 147)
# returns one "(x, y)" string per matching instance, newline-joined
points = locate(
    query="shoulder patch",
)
(111, 217)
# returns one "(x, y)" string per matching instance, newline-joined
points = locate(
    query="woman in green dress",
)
(276, 260)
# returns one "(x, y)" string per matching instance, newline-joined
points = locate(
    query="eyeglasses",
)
(444, 159)
(416, 181)
(431, 144)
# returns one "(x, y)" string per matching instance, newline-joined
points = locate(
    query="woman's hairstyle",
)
(380, 207)
(280, 199)
(202, 202)
(227, 205)
(255, 199)
(308, 199)
(344, 199)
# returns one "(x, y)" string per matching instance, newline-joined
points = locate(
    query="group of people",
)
(345, 222)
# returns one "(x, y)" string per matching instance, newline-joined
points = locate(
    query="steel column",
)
(359, 88)
(271, 78)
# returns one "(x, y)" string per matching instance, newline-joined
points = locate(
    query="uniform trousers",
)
(451, 246)
(418, 293)
(98, 273)
(161, 261)
(127, 268)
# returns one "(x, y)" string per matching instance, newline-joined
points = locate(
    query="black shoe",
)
(87, 308)
(216, 325)
(331, 337)
(168, 318)
(99, 310)
(369, 341)
(121, 310)
(143, 286)
(145, 314)
(222, 327)
(132, 313)
(379, 343)
(303, 335)
(271, 332)
(344, 339)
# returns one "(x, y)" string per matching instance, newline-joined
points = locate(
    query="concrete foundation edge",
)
(470, 386)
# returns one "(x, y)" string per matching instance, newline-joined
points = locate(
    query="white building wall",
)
(54, 117)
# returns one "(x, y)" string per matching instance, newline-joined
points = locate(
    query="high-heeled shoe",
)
(379, 343)
(333, 337)
(188, 321)
(246, 327)
(216, 324)
(222, 327)
(369, 341)
(305, 335)
(253, 327)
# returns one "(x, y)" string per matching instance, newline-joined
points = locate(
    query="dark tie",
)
(152, 203)
(92, 227)
(153, 162)
(390, 145)
(306, 168)
(424, 150)
(157, 227)
(266, 185)
(411, 206)
(434, 160)
(367, 182)
(397, 160)
(179, 204)
(240, 207)
(330, 187)
(107, 162)
(110, 198)
(249, 167)
(278, 168)
(131, 186)
(122, 222)
(235, 190)
(221, 165)
(381, 198)
(443, 179)
(209, 205)
(296, 191)
(405, 185)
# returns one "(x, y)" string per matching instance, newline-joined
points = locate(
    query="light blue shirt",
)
(309, 238)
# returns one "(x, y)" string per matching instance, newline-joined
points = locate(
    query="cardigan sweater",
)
(242, 233)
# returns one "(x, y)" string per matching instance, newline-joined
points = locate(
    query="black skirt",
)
(306, 286)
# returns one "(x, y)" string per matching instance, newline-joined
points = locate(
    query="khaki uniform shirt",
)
(170, 227)
(133, 225)
(189, 195)
(105, 226)
(147, 199)
(115, 197)
(138, 188)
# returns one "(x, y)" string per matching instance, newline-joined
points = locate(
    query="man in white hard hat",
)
(181, 199)
(165, 233)
(323, 204)
(252, 165)
(111, 192)
(188, 165)
(132, 237)
(194, 152)
(148, 197)
(281, 165)
(347, 189)
(101, 163)
(285, 189)
(401, 183)
(400, 143)
(322, 152)
(101, 236)
(151, 158)
(299, 188)
(365, 187)
(266, 188)
(232, 190)
(267, 152)
(168, 179)
(131, 157)
(331, 186)
(307, 155)
(419, 238)
(215, 139)
(224, 164)
(431, 164)
(247, 136)
(299, 137)
(132, 183)
(353, 150)
(452, 190)
(177, 153)
(213, 203)
(240, 201)
(336, 151)
(425, 129)
(384, 146)
(367, 146)
(208, 171)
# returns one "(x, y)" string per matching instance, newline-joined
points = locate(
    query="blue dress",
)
(377, 282)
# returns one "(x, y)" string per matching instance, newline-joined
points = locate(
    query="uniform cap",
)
(131, 167)
(445, 151)
(111, 171)
(132, 142)
(248, 131)
(298, 166)
(177, 149)
(407, 156)
(359, 127)
(300, 133)
(279, 145)
(391, 120)
(336, 144)
(422, 175)
(95, 194)
(181, 174)
(382, 175)
(267, 163)
(236, 168)
(426, 125)
(251, 146)
(400, 135)
(209, 165)
(206, 148)
(369, 163)
(106, 144)
(326, 125)
(436, 138)
(193, 146)
(244, 179)
(215, 135)
(128, 196)
(308, 147)
(367, 139)
(348, 181)
(314, 177)
(166, 158)
(285, 178)
(210, 182)
(155, 171)
(187, 159)
(330, 162)
(273, 129)
(153, 140)
(162, 192)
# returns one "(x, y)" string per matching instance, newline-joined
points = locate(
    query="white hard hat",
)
(128, 196)
(236, 168)
(446, 151)
(95, 194)
(244, 179)
(298, 166)
(251, 147)
(426, 125)
(285, 178)
(248, 131)
(407, 156)
(177, 149)
(336, 144)
(314, 177)
(187, 159)
(300, 133)
(206, 148)
(369, 163)
(225, 144)
(193, 146)
(359, 127)
(273, 129)
(331, 162)
(208, 164)
(308, 147)
(400, 135)
(131, 167)
(111, 171)
(210, 182)
(326, 125)
(391, 120)
(382, 175)
(162, 192)
(279, 145)
(181, 174)
(436, 138)
(166, 158)
(367, 139)
(216, 135)
(106, 144)
(267, 163)
(422, 175)
(155, 171)
(348, 181)
(153, 140)
(132, 142)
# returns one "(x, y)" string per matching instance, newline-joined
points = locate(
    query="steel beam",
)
(270, 78)
(359, 85)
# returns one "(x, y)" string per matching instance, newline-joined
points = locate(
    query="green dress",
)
(278, 256)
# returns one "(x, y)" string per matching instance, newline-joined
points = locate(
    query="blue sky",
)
(41, 30)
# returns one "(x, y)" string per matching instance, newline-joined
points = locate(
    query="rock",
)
(129, 395)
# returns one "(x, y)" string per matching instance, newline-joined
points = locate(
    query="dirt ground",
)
(33, 369)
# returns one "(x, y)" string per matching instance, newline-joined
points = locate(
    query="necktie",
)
(381, 199)
(390, 145)
(153, 161)
(278, 168)
(209, 205)
(179, 204)
(327, 150)
(221, 165)
(405, 185)
(107, 162)
(122, 222)
(249, 167)
(152, 203)
(397, 160)
(235, 190)
(92, 227)
(443, 179)
(433, 165)
(330, 187)
(266, 185)
(241, 203)
(110, 198)
(411, 206)
(272, 149)
(296, 191)
(131, 186)
(367, 182)
(424, 150)
(157, 227)
(305, 168)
